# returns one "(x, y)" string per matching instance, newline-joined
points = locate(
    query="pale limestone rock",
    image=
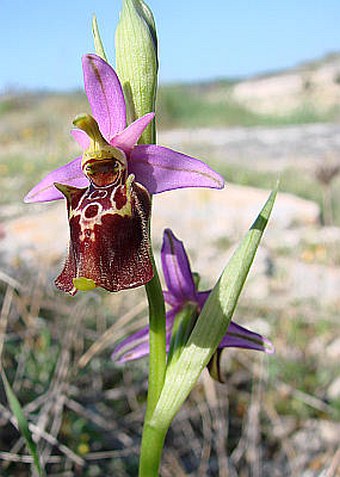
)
(333, 391)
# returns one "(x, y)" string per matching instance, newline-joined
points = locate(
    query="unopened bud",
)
(136, 61)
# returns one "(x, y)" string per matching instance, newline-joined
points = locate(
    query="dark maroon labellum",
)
(109, 239)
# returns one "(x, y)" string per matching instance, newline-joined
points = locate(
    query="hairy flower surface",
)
(107, 188)
(181, 293)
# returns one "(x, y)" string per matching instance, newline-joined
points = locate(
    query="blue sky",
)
(42, 41)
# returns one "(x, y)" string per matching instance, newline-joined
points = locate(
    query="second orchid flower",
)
(181, 295)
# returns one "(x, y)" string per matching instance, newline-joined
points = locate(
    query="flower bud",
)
(136, 61)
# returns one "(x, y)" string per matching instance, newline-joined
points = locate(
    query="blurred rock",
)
(38, 238)
(267, 148)
(2, 232)
(287, 91)
(333, 350)
(299, 238)
(227, 214)
(299, 280)
(333, 391)
(203, 218)
(210, 223)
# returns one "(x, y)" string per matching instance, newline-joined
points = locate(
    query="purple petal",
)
(136, 346)
(70, 174)
(160, 169)
(202, 298)
(132, 340)
(176, 269)
(81, 137)
(105, 95)
(138, 351)
(128, 138)
(170, 299)
(239, 337)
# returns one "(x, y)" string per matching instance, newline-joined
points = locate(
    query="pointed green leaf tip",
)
(211, 325)
(22, 422)
(136, 61)
(98, 44)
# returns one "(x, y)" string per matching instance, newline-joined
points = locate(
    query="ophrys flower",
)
(107, 188)
(182, 293)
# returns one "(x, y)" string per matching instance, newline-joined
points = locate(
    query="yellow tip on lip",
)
(84, 284)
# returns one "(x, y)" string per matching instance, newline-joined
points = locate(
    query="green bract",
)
(183, 373)
(98, 44)
(136, 61)
(220, 306)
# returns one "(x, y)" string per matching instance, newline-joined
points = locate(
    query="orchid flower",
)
(157, 168)
(107, 188)
(182, 292)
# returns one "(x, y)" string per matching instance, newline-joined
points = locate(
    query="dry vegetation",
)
(272, 417)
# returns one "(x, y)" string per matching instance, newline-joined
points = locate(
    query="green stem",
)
(154, 436)
(151, 450)
(153, 439)
(157, 333)
(157, 340)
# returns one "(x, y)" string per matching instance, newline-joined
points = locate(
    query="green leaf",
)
(211, 325)
(98, 44)
(22, 422)
(181, 330)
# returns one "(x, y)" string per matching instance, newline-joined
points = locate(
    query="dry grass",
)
(86, 413)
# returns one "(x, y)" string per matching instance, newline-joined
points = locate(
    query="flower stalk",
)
(157, 340)
(137, 67)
